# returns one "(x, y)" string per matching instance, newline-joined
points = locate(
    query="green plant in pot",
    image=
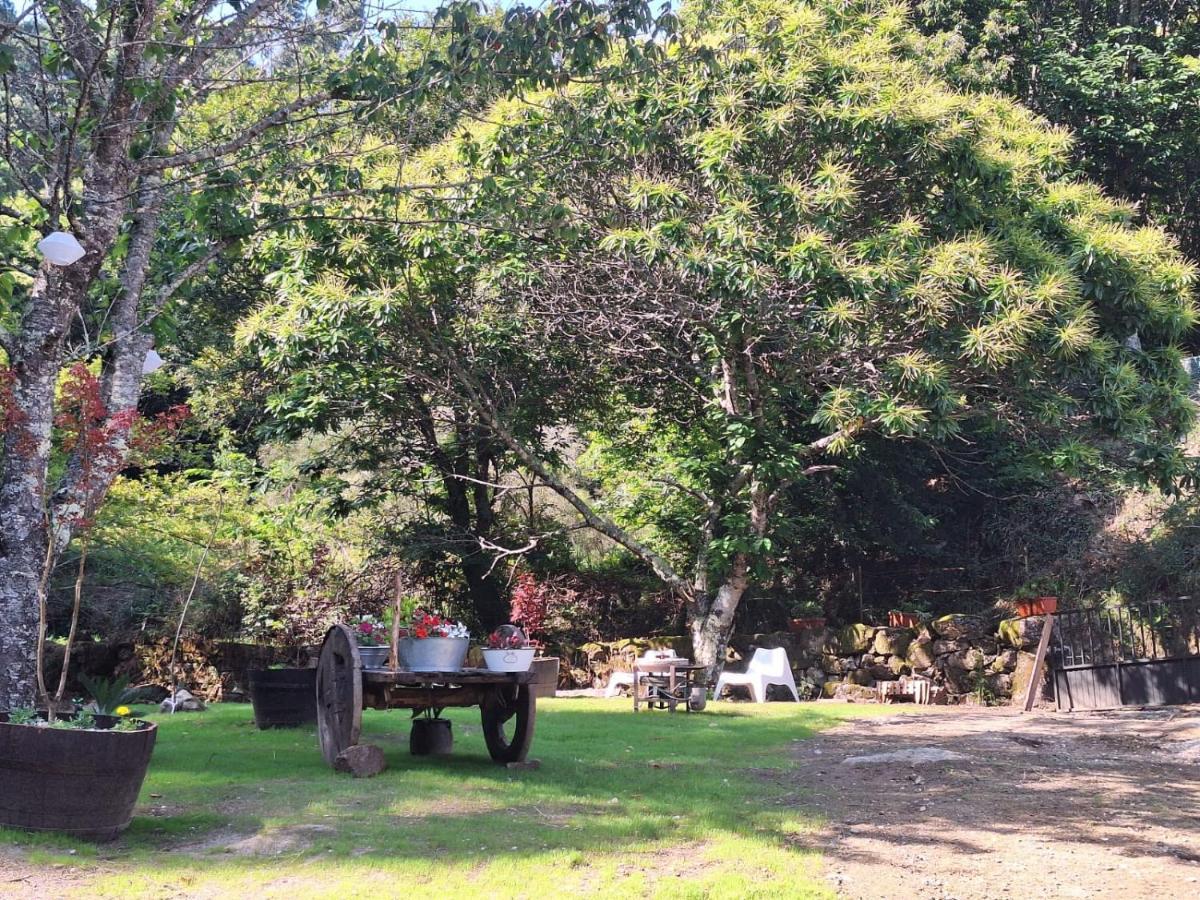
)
(805, 615)
(78, 773)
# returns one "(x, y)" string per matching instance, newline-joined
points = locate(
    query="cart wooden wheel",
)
(508, 719)
(339, 693)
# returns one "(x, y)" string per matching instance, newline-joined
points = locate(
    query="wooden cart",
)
(507, 700)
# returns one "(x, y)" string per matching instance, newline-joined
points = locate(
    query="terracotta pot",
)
(795, 626)
(897, 619)
(1038, 606)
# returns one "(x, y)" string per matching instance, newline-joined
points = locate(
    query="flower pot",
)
(1038, 606)
(283, 698)
(373, 657)
(897, 619)
(81, 783)
(518, 660)
(795, 626)
(435, 654)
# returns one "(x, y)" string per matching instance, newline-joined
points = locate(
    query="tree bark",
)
(712, 623)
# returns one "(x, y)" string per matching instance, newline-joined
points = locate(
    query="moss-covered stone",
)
(852, 639)
(958, 626)
(893, 641)
(920, 653)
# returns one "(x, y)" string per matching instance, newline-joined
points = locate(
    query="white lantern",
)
(60, 248)
(152, 363)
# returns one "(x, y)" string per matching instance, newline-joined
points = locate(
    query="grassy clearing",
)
(623, 805)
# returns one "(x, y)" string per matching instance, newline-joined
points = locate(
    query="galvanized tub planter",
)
(374, 657)
(81, 783)
(283, 698)
(433, 654)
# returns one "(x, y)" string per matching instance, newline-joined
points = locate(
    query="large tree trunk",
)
(712, 621)
(35, 364)
(23, 531)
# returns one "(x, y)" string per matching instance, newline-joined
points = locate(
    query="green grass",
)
(623, 805)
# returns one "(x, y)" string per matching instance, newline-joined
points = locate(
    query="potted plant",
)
(434, 644)
(508, 650)
(530, 606)
(1037, 606)
(374, 643)
(806, 615)
(900, 619)
(78, 773)
(283, 697)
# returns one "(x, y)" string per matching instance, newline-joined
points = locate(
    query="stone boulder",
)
(361, 761)
(881, 673)
(1021, 676)
(964, 660)
(834, 665)
(1022, 634)
(852, 639)
(920, 653)
(958, 626)
(1006, 661)
(183, 701)
(941, 648)
(859, 677)
(855, 693)
(893, 641)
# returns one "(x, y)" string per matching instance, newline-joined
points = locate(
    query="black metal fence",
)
(1135, 654)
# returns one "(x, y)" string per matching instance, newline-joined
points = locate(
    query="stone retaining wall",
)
(967, 661)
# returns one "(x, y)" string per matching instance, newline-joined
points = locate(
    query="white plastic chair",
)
(618, 680)
(766, 667)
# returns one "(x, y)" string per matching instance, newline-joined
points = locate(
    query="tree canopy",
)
(790, 246)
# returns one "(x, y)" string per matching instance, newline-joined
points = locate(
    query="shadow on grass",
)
(610, 781)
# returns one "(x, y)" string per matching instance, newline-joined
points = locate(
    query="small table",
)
(667, 683)
(507, 701)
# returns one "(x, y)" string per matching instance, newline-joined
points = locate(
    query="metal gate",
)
(1138, 654)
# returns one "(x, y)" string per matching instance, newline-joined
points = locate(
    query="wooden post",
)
(1035, 680)
(396, 624)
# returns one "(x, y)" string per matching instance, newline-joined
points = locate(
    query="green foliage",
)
(24, 716)
(1122, 76)
(108, 693)
(805, 239)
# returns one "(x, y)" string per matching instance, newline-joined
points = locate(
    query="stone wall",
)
(966, 660)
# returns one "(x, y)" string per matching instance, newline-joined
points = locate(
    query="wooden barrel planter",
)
(81, 783)
(283, 698)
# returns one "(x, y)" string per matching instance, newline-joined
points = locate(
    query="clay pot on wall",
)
(1038, 606)
(897, 619)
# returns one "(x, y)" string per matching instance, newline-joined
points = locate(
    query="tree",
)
(781, 253)
(122, 118)
(1124, 76)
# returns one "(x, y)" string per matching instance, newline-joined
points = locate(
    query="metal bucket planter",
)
(373, 657)
(283, 698)
(81, 783)
(511, 660)
(435, 654)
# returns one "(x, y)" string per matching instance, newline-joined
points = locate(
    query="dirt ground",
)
(1052, 805)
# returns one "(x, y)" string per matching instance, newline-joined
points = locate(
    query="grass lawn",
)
(623, 805)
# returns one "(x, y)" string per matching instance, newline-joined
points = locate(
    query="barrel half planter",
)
(283, 698)
(83, 783)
